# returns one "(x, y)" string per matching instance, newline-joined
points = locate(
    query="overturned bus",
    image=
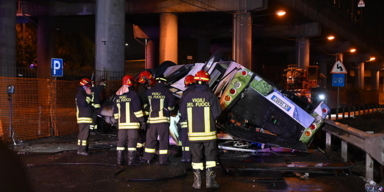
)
(255, 110)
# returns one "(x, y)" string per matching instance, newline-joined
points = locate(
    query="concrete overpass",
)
(247, 30)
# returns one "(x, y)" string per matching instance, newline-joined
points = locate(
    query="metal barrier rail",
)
(348, 112)
(372, 144)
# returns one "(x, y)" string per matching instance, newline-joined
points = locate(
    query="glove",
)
(143, 126)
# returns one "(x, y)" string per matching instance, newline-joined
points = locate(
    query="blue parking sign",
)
(338, 80)
(57, 67)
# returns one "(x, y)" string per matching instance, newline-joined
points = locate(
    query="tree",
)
(29, 46)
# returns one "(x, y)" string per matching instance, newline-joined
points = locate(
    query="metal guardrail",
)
(348, 112)
(372, 144)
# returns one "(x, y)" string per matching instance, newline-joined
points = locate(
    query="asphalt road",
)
(83, 177)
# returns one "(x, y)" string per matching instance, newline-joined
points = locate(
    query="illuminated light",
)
(372, 58)
(321, 97)
(352, 50)
(232, 91)
(126, 44)
(331, 37)
(244, 73)
(308, 133)
(280, 13)
(313, 126)
(325, 110)
(237, 84)
(228, 98)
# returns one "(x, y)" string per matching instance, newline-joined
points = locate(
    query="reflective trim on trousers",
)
(120, 148)
(163, 152)
(131, 149)
(150, 150)
(198, 166)
(210, 164)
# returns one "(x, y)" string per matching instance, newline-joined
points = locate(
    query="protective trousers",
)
(155, 130)
(199, 149)
(127, 135)
(94, 118)
(82, 141)
(185, 143)
(142, 136)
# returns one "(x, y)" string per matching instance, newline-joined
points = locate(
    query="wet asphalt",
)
(99, 172)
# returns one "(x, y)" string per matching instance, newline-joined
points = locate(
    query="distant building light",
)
(280, 13)
(372, 58)
(331, 37)
(126, 44)
(352, 50)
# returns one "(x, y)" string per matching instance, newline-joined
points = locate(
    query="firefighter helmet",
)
(162, 78)
(128, 80)
(189, 80)
(86, 82)
(144, 77)
(202, 76)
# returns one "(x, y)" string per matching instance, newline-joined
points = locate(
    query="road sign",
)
(339, 68)
(338, 80)
(361, 4)
(57, 67)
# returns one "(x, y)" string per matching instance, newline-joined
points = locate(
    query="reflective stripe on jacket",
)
(127, 109)
(161, 101)
(83, 106)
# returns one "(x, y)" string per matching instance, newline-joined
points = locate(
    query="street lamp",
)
(331, 37)
(372, 58)
(280, 13)
(352, 50)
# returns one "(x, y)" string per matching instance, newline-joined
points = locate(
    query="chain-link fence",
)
(46, 107)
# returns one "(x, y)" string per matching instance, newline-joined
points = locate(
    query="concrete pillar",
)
(242, 39)
(168, 49)
(110, 35)
(45, 46)
(150, 55)
(375, 75)
(204, 49)
(302, 53)
(8, 38)
(359, 75)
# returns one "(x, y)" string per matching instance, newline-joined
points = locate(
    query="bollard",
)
(344, 150)
(343, 111)
(328, 141)
(354, 111)
(349, 112)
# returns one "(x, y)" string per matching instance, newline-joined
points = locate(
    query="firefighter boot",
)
(210, 178)
(196, 179)
(120, 158)
(132, 159)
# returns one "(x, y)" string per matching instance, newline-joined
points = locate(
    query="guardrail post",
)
(363, 109)
(328, 141)
(349, 112)
(343, 111)
(344, 150)
(358, 109)
(354, 111)
(368, 167)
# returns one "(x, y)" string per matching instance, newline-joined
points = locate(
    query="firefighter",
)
(84, 114)
(146, 81)
(189, 82)
(127, 109)
(96, 103)
(161, 102)
(201, 107)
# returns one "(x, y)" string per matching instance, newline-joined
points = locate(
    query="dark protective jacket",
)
(201, 107)
(161, 101)
(141, 91)
(127, 109)
(183, 122)
(96, 95)
(83, 106)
